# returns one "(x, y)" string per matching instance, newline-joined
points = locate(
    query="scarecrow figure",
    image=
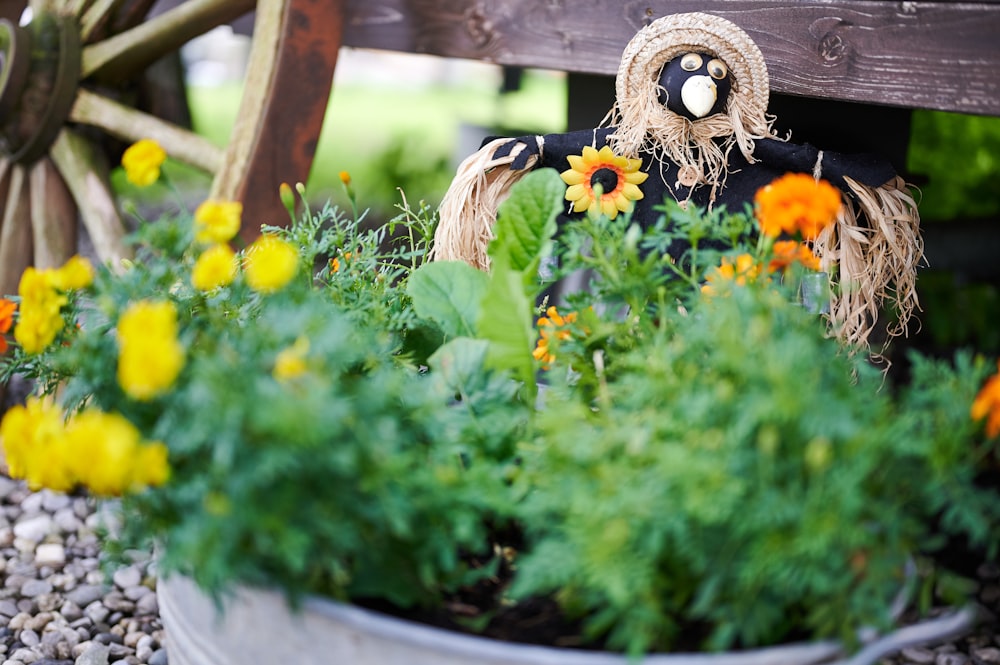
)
(690, 123)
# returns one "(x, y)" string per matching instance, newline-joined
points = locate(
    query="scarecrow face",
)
(695, 85)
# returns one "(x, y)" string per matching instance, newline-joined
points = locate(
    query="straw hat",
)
(671, 36)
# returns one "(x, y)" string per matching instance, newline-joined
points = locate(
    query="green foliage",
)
(699, 467)
(958, 154)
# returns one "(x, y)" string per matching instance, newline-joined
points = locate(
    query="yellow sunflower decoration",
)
(618, 179)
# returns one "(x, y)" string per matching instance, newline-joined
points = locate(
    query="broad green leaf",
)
(459, 361)
(505, 321)
(526, 221)
(448, 293)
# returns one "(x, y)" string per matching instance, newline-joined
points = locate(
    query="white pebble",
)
(50, 554)
(33, 528)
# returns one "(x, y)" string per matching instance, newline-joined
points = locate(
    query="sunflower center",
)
(606, 178)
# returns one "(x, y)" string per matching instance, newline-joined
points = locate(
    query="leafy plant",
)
(679, 451)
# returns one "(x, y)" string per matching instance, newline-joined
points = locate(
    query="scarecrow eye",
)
(716, 69)
(691, 62)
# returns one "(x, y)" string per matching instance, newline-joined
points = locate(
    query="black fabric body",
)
(773, 159)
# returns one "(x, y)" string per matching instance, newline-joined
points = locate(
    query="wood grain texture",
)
(936, 55)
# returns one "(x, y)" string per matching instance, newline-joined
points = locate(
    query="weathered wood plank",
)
(937, 55)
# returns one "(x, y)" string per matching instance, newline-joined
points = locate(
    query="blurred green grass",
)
(388, 138)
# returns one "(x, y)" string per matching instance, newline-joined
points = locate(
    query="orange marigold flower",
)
(797, 204)
(785, 253)
(548, 326)
(987, 404)
(335, 262)
(737, 271)
(7, 309)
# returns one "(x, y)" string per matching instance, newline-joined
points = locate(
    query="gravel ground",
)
(58, 607)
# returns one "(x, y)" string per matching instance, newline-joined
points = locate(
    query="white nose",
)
(698, 95)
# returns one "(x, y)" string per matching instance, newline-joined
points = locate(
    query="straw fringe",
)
(469, 207)
(874, 260)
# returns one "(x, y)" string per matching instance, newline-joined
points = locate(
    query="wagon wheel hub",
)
(39, 75)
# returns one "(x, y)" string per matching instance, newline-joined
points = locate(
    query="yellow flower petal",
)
(622, 203)
(632, 192)
(583, 204)
(576, 162)
(590, 155)
(572, 177)
(636, 178)
(608, 207)
(607, 154)
(575, 192)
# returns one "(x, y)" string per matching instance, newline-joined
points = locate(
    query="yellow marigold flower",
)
(106, 453)
(987, 404)
(149, 355)
(7, 309)
(214, 268)
(739, 272)
(551, 325)
(787, 252)
(40, 320)
(291, 361)
(34, 443)
(797, 204)
(270, 263)
(76, 273)
(345, 178)
(217, 221)
(619, 179)
(142, 161)
(152, 467)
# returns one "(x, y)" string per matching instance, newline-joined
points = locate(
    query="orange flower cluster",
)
(987, 404)
(785, 253)
(552, 324)
(335, 264)
(797, 204)
(7, 309)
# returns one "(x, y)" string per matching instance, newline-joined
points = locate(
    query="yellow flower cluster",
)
(43, 294)
(798, 205)
(101, 451)
(291, 361)
(149, 354)
(551, 325)
(987, 404)
(217, 221)
(738, 271)
(270, 263)
(142, 161)
(215, 267)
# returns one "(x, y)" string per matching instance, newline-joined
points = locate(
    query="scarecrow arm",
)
(866, 168)
(552, 149)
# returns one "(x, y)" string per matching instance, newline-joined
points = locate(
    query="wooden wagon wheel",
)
(54, 72)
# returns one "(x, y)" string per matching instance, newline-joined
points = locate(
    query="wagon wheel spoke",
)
(15, 235)
(134, 49)
(94, 14)
(76, 64)
(133, 13)
(85, 171)
(53, 216)
(130, 125)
